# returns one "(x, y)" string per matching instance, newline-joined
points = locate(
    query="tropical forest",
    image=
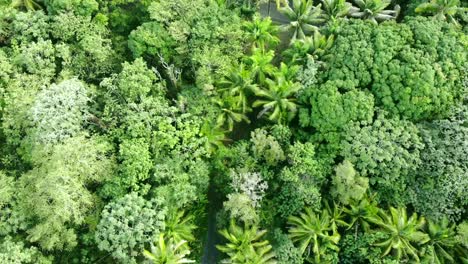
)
(233, 131)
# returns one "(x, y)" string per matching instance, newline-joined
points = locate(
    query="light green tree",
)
(59, 112)
(347, 186)
(15, 252)
(54, 194)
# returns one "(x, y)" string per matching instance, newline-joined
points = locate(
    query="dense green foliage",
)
(233, 131)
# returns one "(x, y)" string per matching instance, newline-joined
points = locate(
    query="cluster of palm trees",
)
(407, 239)
(256, 82)
(412, 238)
(305, 18)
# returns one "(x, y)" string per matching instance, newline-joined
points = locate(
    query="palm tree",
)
(303, 16)
(262, 33)
(244, 245)
(260, 65)
(215, 137)
(167, 251)
(442, 240)
(359, 213)
(337, 215)
(238, 84)
(374, 10)
(314, 233)
(180, 226)
(297, 53)
(318, 43)
(403, 233)
(442, 9)
(315, 46)
(334, 9)
(230, 113)
(278, 100)
(288, 72)
(29, 5)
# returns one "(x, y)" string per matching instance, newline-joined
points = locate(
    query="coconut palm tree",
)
(303, 16)
(318, 43)
(244, 245)
(374, 10)
(179, 226)
(278, 101)
(359, 213)
(442, 9)
(261, 66)
(442, 241)
(287, 72)
(238, 84)
(333, 9)
(403, 233)
(214, 135)
(262, 33)
(337, 215)
(29, 5)
(314, 46)
(314, 233)
(230, 113)
(167, 251)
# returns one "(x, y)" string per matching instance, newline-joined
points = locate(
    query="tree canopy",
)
(233, 131)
